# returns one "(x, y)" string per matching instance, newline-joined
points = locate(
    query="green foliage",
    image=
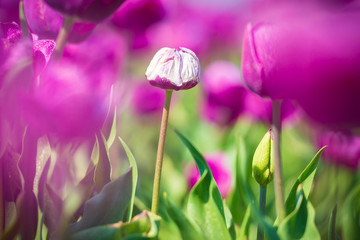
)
(306, 175)
(143, 226)
(134, 176)
(205, 206)
(108, 206)
(103, 166)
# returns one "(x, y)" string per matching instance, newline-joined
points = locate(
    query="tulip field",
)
(180, 119)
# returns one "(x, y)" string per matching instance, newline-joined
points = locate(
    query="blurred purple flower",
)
(147, 100)
(46, 22)
(42, 52)
(220, 172)
(10, 33)
(73, 96)
(136, 16)
(174, 69)
(188, 32)
(312, 57)
(260, 109)
(88, 10)
(224, 93)
(9, 10)
(342, 148)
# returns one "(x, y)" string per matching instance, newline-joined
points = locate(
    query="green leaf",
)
(306, 175)
(311, 231)
(108, 206)
(134, 176)
(103, 166)
(332, 224)
(188, 229)
(294, 225)
(143, 226)
(245, 225)
(112, 134)
(205, 205)
(204, 210)
(245, 173)
(229, 222)
(351, 215)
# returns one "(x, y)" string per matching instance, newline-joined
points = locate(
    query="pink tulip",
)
(220, 172)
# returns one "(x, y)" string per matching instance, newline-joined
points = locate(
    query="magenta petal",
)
(46, 22)
(42, 52)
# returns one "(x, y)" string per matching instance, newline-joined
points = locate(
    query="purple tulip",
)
(88, 10)
(70, 99)
(174, 69)
(224, 93)
(342, 148)
(9, 10)
(138, 15)
(10, 34)
(312, 58)
(147, 100)
(220, 172)
(46, 22)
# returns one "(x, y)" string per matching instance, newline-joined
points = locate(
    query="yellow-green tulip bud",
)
(263, 161)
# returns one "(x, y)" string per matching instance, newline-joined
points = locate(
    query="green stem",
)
(262, 206)
(62, 37)
(23, 22)
(332, 224)
(279, 188)
(160, 153)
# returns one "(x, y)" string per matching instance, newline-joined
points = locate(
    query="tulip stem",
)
(23, 22)
(160, 152)
(276, 131)
(63, 36)
(262, 206)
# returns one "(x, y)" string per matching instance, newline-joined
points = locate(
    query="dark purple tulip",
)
(9, 10)
(138, 15)
(312, 58)
(224, 93)
(88, 10)
(342, 148)
(147, 100)
(220, 171)
(46, 22)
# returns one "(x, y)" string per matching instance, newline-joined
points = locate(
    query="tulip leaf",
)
(188, 229)
(311, 231)
(134, 176)
(143, 226)
(205, 205)
(294, 225)
(245, 172)
(245, 225)
(103, 166)
(351, 215)
(112, 134)
(108, 206)
(305, 178)
(332, 224)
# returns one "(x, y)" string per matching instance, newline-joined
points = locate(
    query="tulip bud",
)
(174, 69)
(263, 161)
